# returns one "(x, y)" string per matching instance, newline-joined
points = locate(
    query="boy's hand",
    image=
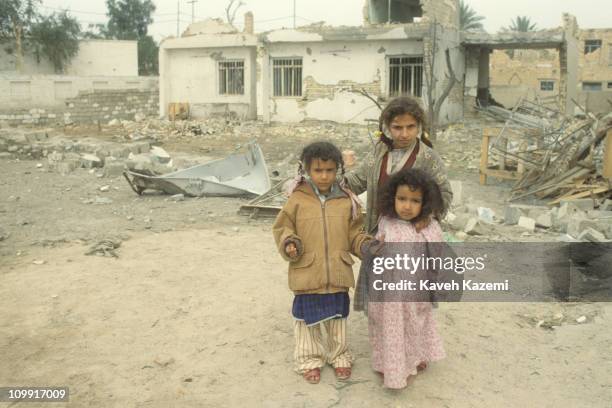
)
(291, 250)
(373, 247)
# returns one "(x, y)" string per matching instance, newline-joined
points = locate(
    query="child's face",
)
(408, 203)
(323, 174)
(404, 130)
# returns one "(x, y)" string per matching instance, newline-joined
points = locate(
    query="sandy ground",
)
(195, 312)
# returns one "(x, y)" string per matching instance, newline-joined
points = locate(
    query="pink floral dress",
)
(403, 334)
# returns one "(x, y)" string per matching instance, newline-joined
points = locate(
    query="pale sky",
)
(271, 14)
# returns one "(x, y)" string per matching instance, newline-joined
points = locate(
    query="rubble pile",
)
(555, 157)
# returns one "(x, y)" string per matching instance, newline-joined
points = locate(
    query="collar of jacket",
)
(306, 188)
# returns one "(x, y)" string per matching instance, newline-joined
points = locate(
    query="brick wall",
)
(90, 107)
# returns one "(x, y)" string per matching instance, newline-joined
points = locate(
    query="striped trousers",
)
(310, 352)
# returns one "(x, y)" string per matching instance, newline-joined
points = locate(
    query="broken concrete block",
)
(160, 155)
(120, 152)
(114, 168)
(606, 206)
(597, 214)
(527, 223)
(590, 235)
(460, 221)
(474, 227)
(545, 220)
(585, 204)
(486, 214)
(512, 215)
(578, 224)
(457, 189)
(90, 161)
(178, 197)
(566, 212)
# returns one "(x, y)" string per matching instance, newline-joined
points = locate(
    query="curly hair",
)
(400, 106)
(415, 179)
(322, 151)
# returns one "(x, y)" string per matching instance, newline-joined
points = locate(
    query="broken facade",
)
(315, 72)
(536, 73)
(480, 46)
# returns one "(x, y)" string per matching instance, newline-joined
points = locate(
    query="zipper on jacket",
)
(326, 243)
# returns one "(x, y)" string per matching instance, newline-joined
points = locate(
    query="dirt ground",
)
(195, 311)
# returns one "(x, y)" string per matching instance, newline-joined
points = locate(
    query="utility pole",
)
(389, 11)
(192, 9)
(294, 14)
(178, 13)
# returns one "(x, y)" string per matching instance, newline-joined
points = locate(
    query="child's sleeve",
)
(357, 236)
(284, 231)
(357, 179)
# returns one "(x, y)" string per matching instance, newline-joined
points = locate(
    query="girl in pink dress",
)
(403, 335)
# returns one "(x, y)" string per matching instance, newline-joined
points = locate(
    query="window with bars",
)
(405, 76)
(287, 79)
(231, 77)
(591, 46)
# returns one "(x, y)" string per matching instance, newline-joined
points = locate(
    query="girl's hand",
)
(422, 224)
(291, 250)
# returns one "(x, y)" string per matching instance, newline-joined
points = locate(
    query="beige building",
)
(535, 74)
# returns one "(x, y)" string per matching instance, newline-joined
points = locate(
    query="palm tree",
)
(522, 24)
(468, 19)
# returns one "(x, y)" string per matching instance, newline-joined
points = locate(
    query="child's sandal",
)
(343, 373)
(313, 376)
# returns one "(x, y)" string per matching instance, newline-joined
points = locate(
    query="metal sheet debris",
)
(234, 176)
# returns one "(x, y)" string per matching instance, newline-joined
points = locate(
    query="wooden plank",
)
(484, 156)
(583, 194)
(607, 157)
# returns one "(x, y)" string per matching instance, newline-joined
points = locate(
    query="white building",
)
(314, 72)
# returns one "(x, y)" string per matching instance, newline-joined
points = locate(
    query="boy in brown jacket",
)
(317, 229)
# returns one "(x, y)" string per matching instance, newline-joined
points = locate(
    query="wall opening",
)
(394, 11)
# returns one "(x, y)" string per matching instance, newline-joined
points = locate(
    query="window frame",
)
(592, 83)
(547, 81)
(595, 44)
(296, 67)
(401, 77)
(224, 76)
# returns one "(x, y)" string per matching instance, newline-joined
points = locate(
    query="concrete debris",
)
(512, 215)
(545, 220)
(590, 235)
(90, 161)
(160, 155)
(486, 214)
(527, 223)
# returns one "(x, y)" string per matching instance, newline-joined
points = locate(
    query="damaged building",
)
(535, 74)
(319, 72)
(316, 72)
